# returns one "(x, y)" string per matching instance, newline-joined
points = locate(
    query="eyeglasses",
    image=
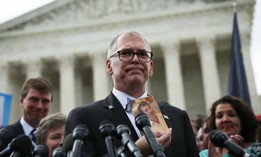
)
(127, 55)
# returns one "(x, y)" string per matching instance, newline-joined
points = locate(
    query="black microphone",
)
(6, 136)
(80, 134)
(58, 152)
(41, 151)
(123, 133)
(20, 146)
(107, 131)
(68, 145)
(121, 151)
(220, 139)
(143, 123)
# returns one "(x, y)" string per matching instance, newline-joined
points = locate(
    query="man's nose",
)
(135, 57)
(40, 104)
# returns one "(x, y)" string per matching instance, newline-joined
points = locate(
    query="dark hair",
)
(47, 123)
(244, 112)
(143, 103)
(38, 83)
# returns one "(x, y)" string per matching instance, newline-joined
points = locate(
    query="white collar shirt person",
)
(129, 62)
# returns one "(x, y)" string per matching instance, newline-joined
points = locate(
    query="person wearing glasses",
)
(129, 62)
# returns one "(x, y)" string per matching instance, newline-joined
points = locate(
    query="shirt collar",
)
(26, 127)
(122, 97)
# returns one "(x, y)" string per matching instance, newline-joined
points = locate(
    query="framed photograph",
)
(150, 107)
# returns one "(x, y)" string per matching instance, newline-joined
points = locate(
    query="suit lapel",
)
(116, 114)
(165, 115)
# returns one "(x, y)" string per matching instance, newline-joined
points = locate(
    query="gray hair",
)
(113, 44)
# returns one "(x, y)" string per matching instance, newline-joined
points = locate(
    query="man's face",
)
(35, 106)
(133, 73)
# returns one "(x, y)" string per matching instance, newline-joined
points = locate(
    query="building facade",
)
(66, 41)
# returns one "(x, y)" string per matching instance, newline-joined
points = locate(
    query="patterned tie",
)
(33, 137)
(128, 106)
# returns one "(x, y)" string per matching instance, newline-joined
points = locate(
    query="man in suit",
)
(35, 101)
(129, 62)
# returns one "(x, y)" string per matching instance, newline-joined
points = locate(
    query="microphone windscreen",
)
(122, 129)
(58, 152)
(68, 143)
(6, 136)
(22, 144)
(142, 120)
(80, 132)
(106, 128)
(41, 150)
(218, 138)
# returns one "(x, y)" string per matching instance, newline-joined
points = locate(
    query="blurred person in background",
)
(197, 123)
(51, 131)
(232, 116)
(35, 101)
(202, 137)
(258, 131)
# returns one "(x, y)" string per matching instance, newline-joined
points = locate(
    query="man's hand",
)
(163, 138)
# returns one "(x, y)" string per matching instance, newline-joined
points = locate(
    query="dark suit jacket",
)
(182, 140)
(10, 132)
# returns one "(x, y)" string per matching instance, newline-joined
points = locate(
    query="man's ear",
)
(151, 69)
(21, 102)
(108, 67)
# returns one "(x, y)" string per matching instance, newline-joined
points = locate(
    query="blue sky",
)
(12, 8)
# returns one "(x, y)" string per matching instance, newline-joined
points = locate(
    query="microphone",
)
(6, 136)
(220, 139)
(68, 145)
(58, 152)
(143, 123)
(21, 145)
(107, 131)
(80, 134)
(120, 151)
(41, 151)
(123, 133)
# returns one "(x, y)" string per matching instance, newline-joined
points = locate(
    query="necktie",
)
(33, 137)
(128, 105)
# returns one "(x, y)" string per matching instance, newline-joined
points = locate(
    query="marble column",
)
(211, 84)
(4, 78)
(67, 84)
(33, 68)
(100, 76)
(174, 81)
(245, 48)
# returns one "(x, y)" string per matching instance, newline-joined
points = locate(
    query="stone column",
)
(100, 76)
(245, 48)
(174, 81)
(67, 84)
(4, 78)
(211, 84)
(33, 68)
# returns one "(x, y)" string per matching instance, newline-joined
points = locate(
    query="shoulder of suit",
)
(168, 106)
(90, 106)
